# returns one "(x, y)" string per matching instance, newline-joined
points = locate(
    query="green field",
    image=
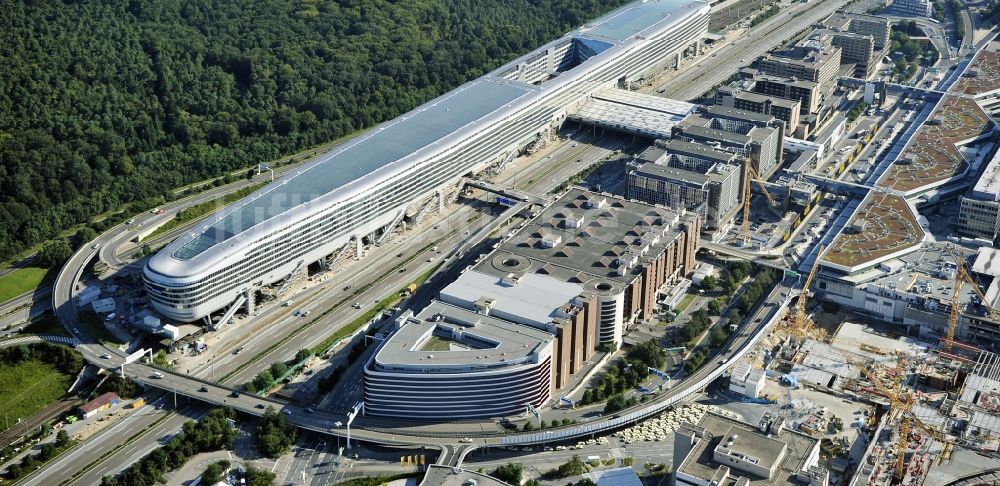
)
(28, 387)
(23, 280)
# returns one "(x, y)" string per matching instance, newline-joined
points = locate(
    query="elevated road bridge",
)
(846, 188)
(767, 258)
(754, 327)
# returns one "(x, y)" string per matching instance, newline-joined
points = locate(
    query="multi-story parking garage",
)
(342, 197)
(452, 363)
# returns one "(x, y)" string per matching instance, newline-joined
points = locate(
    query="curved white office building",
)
(450, 363)
(370, 182)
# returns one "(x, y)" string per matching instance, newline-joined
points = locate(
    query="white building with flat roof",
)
(979, 208)
(452, 363)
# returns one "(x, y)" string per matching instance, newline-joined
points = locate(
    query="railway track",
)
(50, 412)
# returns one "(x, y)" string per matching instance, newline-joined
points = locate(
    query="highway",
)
(567, 159)
(710, 70)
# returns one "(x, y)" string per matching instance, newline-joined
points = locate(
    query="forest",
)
(110, 104)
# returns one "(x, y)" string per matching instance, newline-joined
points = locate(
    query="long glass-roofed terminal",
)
(367, 184)
(387, 144)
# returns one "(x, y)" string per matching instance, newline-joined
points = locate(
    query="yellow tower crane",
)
(751, 174)
(798, 322)
(962, 277)
(901, 408)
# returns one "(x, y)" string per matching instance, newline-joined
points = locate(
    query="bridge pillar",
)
(250, 300)
(677, 60)
(359, 248)
(440, 197)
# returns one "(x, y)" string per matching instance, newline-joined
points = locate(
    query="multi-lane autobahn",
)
(566, 160)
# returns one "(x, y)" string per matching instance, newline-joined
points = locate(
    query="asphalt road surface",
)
(714, 68)
(550, 175)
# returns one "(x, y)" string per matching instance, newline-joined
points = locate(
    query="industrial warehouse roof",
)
(426, 131)
(473, 339)
(385, 145)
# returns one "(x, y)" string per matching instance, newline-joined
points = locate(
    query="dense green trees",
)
(66, 360)
(697, 324)
(104, 102)
(211, 433)
(213, 473)
(54, 253)
(274, 435)
(258, 477)
(510, 473)
(573, 467)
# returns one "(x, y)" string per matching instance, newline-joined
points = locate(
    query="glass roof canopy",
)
(387, 144)
(632, 19)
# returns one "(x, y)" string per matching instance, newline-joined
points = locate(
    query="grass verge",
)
(28, 387)
(685, 302)
(23, 280)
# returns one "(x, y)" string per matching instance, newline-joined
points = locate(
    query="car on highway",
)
(96, 246)
(286, 411)
(309, 410)
(356, 305)
(105, 356)
(305, 313)
(348, 287)
(235, 394)
(203, 389)
(157, 375)
(466, 440)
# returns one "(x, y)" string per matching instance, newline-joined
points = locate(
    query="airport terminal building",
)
(351, 194)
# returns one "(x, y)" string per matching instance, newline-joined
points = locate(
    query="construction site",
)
(888, 408)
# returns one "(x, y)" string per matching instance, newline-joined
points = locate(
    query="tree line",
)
(65, 359)
(211, 433)
(104, 103)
